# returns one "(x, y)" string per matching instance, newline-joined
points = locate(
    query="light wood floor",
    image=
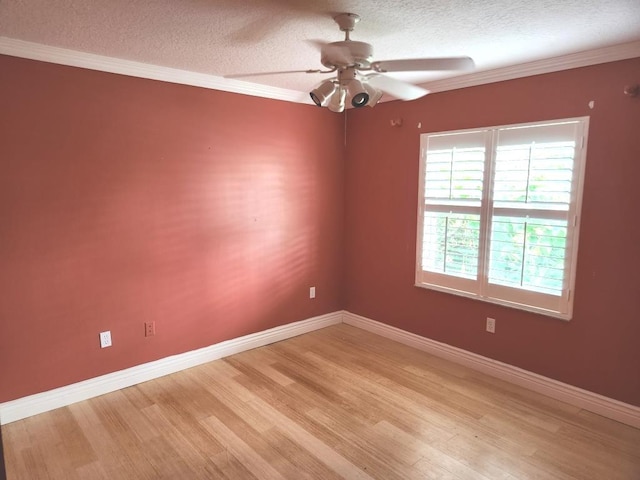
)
(336, 403)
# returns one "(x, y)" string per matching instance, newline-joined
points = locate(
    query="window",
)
(498, 213)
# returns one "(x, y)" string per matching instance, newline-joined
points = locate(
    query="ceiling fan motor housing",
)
(347, 53)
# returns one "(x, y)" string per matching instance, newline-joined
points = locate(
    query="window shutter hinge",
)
(575, 220)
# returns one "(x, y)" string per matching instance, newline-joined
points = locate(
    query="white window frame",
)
(480, 288)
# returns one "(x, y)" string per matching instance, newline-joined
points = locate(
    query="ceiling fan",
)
(352, 61)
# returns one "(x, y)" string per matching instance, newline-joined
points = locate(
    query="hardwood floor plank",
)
(337, 403)
(487, 456)
(225, 392)
(94, 471)
(245, 454)
(306, 464)
(187, 443)
(123, 453)
(308, 435)
(3, 471)
(225, 466)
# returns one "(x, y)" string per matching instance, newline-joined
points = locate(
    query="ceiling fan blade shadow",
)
(424, 64)
(272, 16)
(255, 31)
(396, 88)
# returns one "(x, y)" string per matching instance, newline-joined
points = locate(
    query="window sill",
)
(528, 308)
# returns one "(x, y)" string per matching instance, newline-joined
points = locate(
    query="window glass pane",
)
(534, 173)
(454, 174)
(528, 253)
(450, 244)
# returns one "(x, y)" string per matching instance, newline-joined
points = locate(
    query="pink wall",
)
(599, 349)
(125, 200)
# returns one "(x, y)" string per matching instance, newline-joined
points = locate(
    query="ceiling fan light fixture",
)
(350, 60)
(336, 104)
(374, 95)
(323, 93)
(357, 93)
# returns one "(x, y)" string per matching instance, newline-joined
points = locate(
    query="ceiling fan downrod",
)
(347, 22)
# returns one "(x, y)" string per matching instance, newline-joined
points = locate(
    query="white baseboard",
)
(63, 396)
(607, 407)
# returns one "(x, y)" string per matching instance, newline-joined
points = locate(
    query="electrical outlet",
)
(312, 292)
(149, 329)
(491, 325)
(105, 339)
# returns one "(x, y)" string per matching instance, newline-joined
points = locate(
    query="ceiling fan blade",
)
(396, 88)
(318, 44)
(261, 74)
(424, 64)
(336, 54)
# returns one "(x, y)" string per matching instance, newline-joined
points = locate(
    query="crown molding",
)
(538, 67)
(73, 58)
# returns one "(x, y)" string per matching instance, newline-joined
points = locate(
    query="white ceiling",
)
(223, 37)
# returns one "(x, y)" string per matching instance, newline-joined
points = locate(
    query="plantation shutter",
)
(532, 209)
(498, 213)
(453, 178)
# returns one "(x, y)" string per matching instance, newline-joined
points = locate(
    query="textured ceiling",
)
(223, 37)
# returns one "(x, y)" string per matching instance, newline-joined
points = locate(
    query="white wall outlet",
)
(491, 325)
(149, 329)
(105, 339)
(312, 292)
